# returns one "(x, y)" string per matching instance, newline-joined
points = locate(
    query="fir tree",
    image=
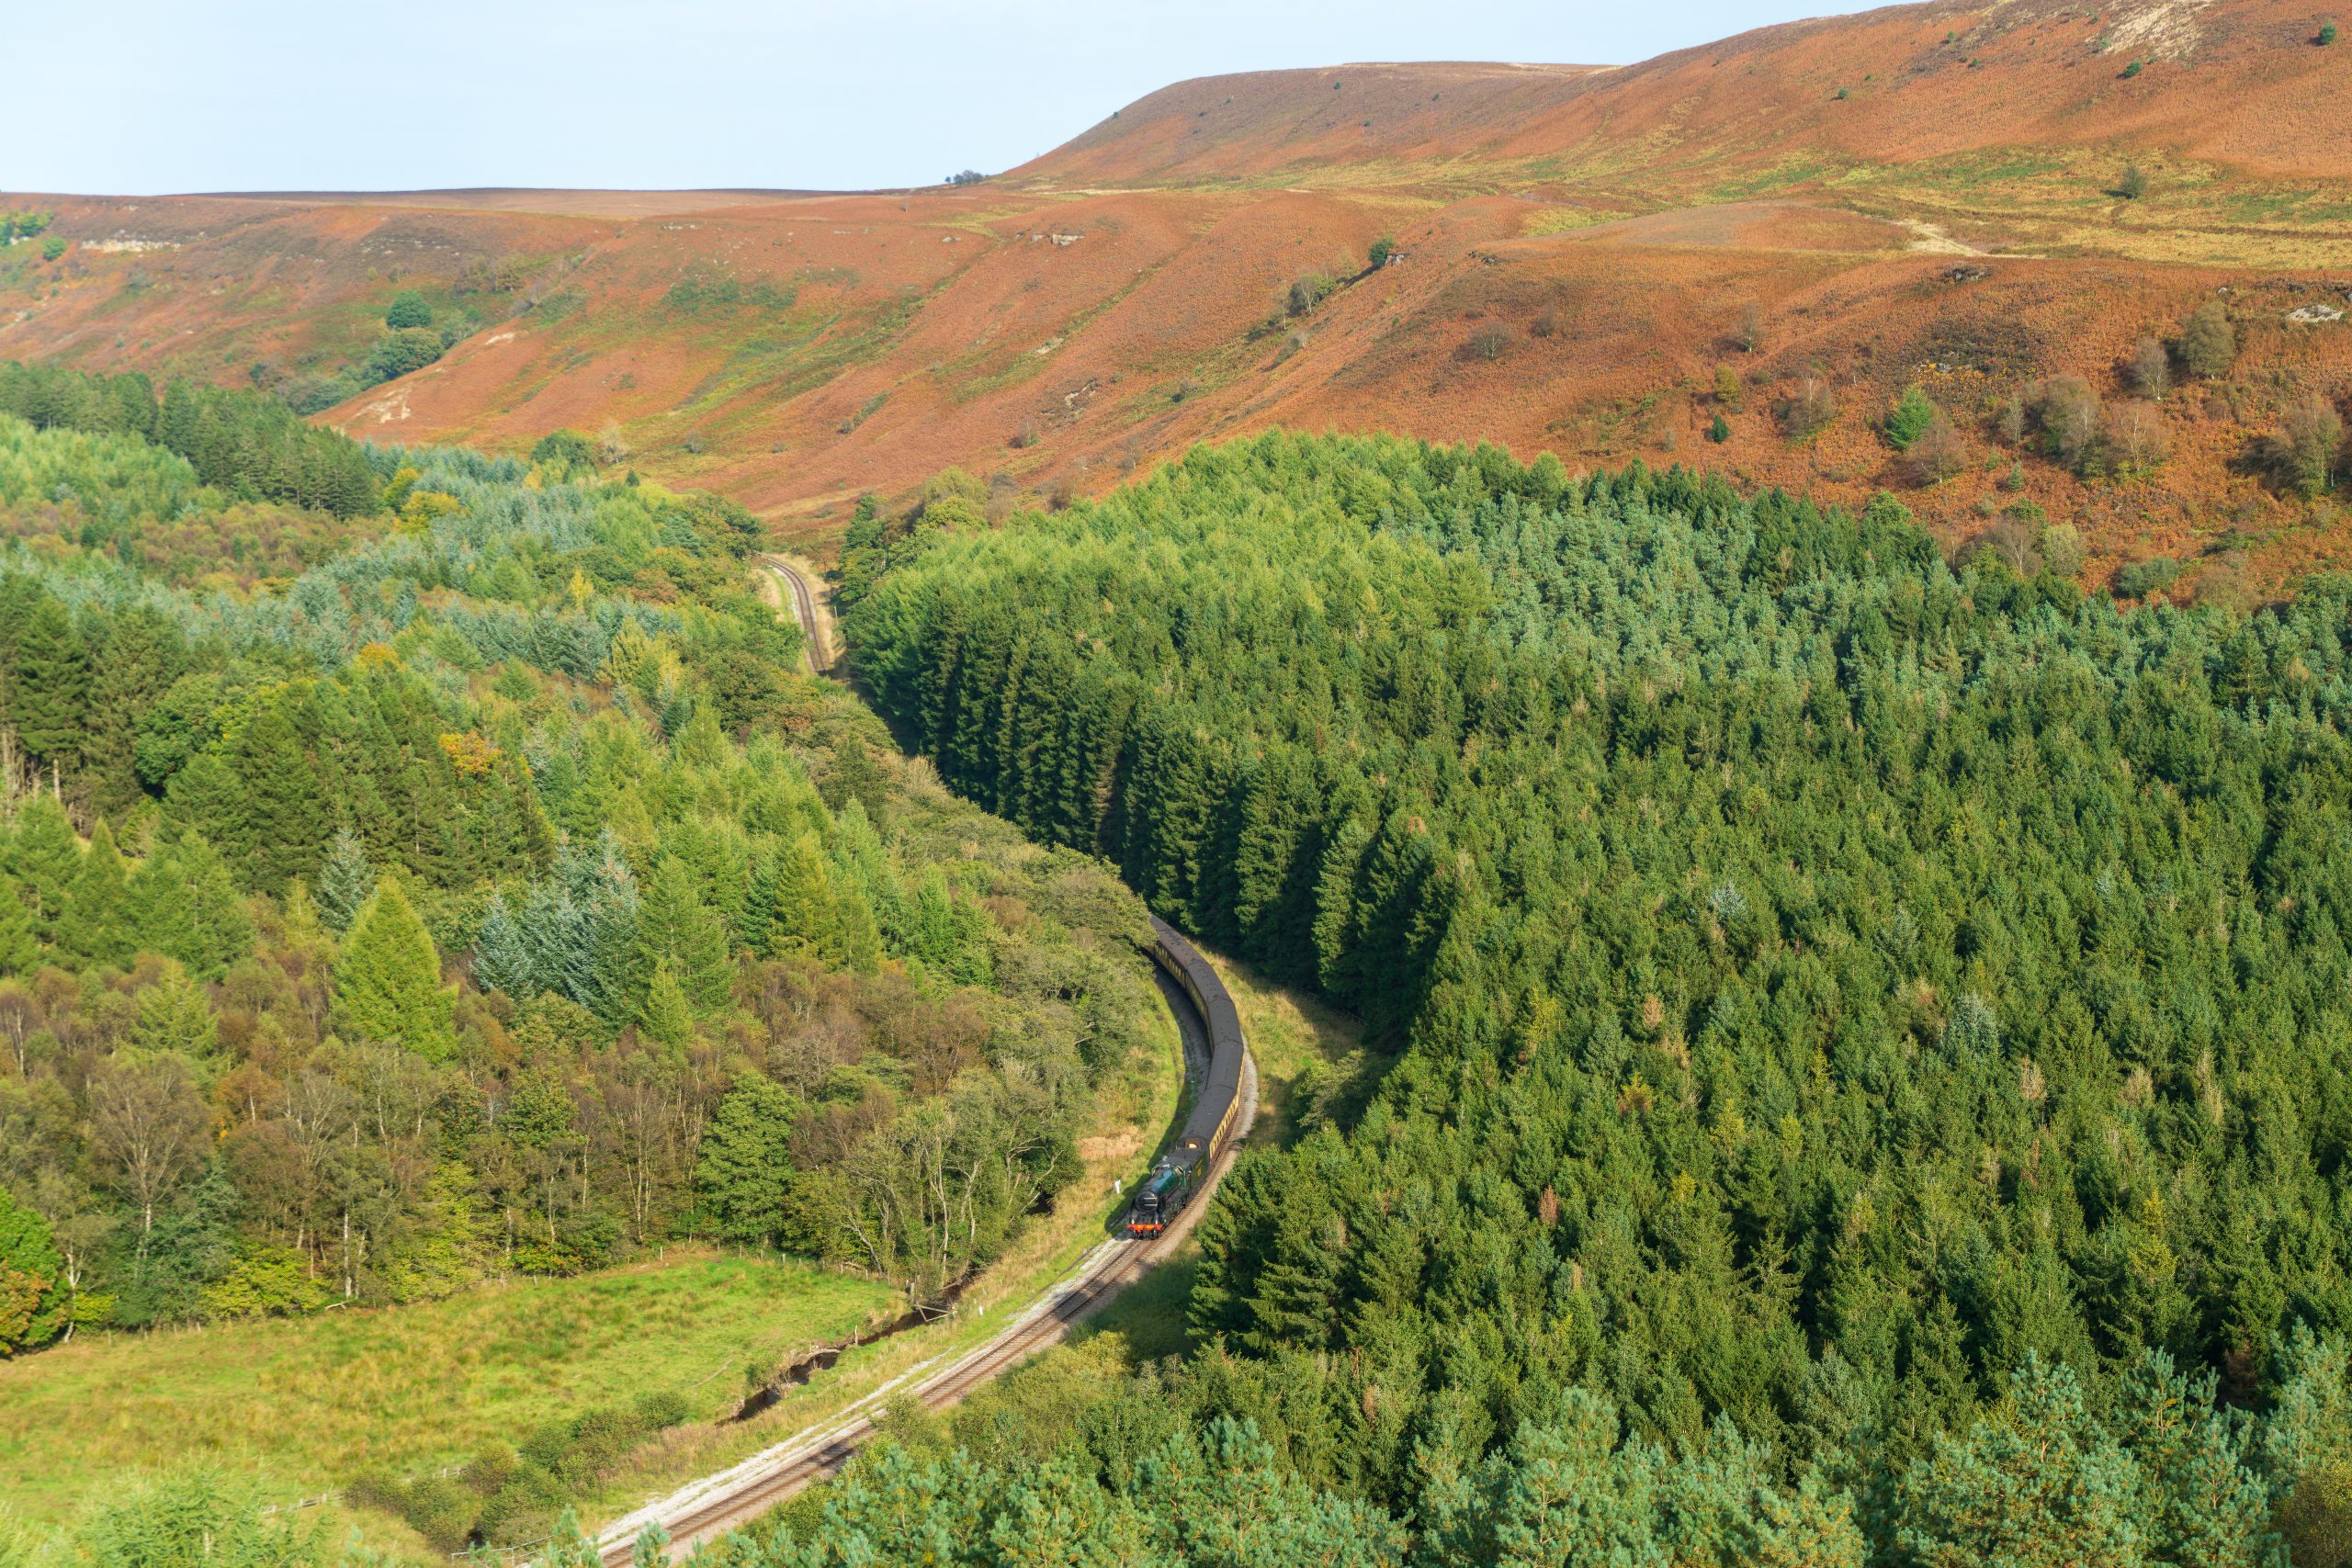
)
(183, 903)
(677, 928)
(501, 954)
(44, 857)
(95, 924)
(388, 978)
(743, 1170)
(174, 1015)
(49, 686)
(666, 1017)
(801, 919)
(346, 882)
(19, 945)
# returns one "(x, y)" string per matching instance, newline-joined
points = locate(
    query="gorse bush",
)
(1827, 977)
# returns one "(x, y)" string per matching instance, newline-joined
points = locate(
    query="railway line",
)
(802, 603)
(1224, 1109)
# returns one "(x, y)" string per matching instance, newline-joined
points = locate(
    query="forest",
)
(473, 890)
(1856, 1004)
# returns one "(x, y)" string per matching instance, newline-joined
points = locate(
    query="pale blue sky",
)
(154, 96)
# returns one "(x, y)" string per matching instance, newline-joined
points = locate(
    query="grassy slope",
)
(1108, 304)
(307, 1404)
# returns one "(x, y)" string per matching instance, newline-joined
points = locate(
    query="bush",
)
(1487, 344)
(1305, 293)
(53, 247)
(2326, 34)
(1727, 391)
(2143, 578)
(1808, 410)
(2148, 372)
(2303, 453)
(398, 353)
(662, 1408)
(408, 308)
(2133, 70)
(2068, 413)
(1545, 324)
(1937, 453)
(566, 448)
(2135, 439)
(2209, 348)
(1381, 249)
(1909, 419)
(2132, 184)
(1720, 431)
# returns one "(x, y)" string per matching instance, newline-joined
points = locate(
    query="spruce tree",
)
(743, 1170)
(501, 954)
(174, 1015)
(19, 946)
(801, 919)
(283, 802)
(49, 687)
(96, 926)
(183, 903)
(677, 928)
(666, 1017)
(44, 858)
(388, 979)
(346, 882)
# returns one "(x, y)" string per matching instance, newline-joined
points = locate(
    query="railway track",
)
(802, 603)
(710, 1507)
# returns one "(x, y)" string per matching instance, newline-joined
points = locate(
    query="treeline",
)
(245, 443)
(493, 898)
(1829, 977)
(1068, 1462)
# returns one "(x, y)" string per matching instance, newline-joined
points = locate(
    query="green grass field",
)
(304, 1405)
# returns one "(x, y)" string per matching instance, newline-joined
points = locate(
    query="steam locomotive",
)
(1179, 1174)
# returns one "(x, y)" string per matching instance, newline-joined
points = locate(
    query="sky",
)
(149, 96)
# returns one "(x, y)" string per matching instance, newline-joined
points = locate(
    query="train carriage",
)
(1179, 1174)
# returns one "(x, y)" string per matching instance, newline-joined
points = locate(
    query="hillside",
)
(1603, 262)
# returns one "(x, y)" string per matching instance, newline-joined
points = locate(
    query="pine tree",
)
(175, 1015)
(677, 928)
(743, 1169)
(801, 917)
(501, 954)
(19, 945)
(49, 687)
(388, 979)
(96, 925)
(284, 803)
(44, 858)
(666, 1017)
(142, 658)
(183, 903)
(346, 882)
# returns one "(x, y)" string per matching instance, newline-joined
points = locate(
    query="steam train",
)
(1179, 1175)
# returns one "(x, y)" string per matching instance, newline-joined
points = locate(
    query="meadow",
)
(303, 1406)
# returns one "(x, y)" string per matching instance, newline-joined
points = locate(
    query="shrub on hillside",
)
(2302, 453)
(398, 353)
(1936, 454)
(2148, 372)
(1487, 344)
(2132, 183)
(1909, 419)
(2068, 413)
(408, 308)
(2209, 346)
(1808, 410)
(2134, 439)
(565, 448)
(1307, 292)
(2142, 578)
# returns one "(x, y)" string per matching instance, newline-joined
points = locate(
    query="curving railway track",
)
(802, 603)
(705, 1509)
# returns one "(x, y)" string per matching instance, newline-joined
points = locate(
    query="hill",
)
(1737, 257)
